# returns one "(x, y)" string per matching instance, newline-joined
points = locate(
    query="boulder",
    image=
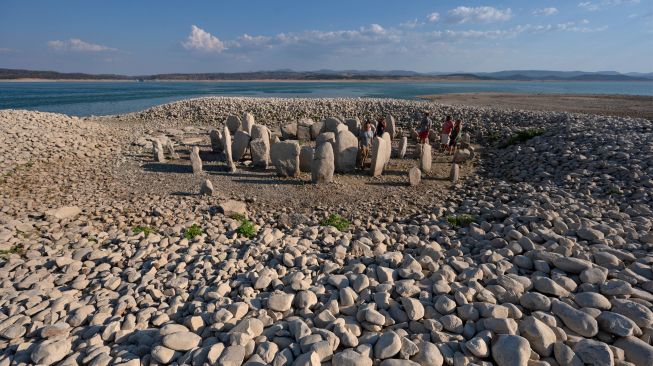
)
(304, 129)
(233, 123)
(346, 151)
(316, 129)
(636, 351)
(289, 131)
(248, 122)
(323, 164)
(414, 176)
(260, 149)
(66, 212)
(285, 158)
(330, 124)
(403, 146)
(260, 132)
(216, 141)
(454, 173)
(232, 207)
(195, 160)
(329, 137)
(240, 144)
(206, 188)
(226, 144)
(379, 152)
(461, 156)
(511, 350)
(425, 158)
(354, 125)
(305, 158)
(51, 351)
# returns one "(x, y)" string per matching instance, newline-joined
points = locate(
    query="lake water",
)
(104, 98)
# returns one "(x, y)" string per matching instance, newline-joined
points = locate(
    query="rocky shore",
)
(541, 254)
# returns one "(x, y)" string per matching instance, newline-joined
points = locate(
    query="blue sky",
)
(145, 37)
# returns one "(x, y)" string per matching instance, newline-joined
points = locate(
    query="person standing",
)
(365, 137)
(456, 132)
(424, 128)
(380, 127)
(447, 126)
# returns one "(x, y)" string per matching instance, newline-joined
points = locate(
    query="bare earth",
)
(609, 105)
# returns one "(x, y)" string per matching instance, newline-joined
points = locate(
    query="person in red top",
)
(447, 126)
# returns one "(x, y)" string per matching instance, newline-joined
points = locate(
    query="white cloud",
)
(545, 11)
(599, 5)
(77, 45)
(201, 40)
(481, 14)
(411, 24)
(433, 17)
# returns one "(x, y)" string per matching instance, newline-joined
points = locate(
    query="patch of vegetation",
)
(493, 136)
(246, 229)
(193, 231)
(460, 220)
(614, 190)
(524, 135)
(16, 249)
(143, 229)
(336, 221)
(238, 217)
(92, 239)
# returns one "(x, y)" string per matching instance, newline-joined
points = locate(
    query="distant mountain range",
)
(519, 75)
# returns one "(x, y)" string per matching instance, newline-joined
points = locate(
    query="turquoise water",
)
(103, 98)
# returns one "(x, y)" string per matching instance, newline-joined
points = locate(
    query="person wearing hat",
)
(424, 128)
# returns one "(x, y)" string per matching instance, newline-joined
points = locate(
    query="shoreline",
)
(389, 80)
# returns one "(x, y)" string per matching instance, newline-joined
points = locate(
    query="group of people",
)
(449, 135)
(450, 132)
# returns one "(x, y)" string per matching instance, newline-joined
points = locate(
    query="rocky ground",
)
(540, 255)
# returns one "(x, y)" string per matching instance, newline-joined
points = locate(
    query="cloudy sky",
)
(144, 37)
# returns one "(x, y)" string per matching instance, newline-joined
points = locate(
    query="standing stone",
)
(157, 151)
(240, 144)
(346, 151)
(388, 142)
(331, 124)
(260, 149)
(171, 150)
(248, 121)
(454, 174)
(323, 164)
(285, 158)
(289, 131)
(195, 160)
(226, 143)
(354, 125)
(306, 158)
(260, 132)
(206, 188)
(316, 129)
(304, 129)
(379, 151)
(425, 158)
(402, 147)
(329, 137)
(216, 141)
(233, 123)
(414, 176)
(391, 126)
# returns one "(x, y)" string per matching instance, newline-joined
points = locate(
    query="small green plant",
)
(493, 136)
(336, 221)
(193, 231)
(460, 220)
(524, 135)
(614, 190)
(16, 249)
(238, 216)
(146, 230)
(246, 229)
(92, 239)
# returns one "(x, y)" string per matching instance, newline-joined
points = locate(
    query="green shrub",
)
(246, 229)
(193, 231)
(336, 221)
(524, 135)
(238, 216)
(16, 249)
(143, 229)
(460, 220)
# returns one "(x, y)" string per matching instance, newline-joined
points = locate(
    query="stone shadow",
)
(167, 168)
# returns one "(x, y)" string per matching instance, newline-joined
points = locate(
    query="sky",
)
(148, 37)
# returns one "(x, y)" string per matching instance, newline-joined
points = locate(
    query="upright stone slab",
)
(414, 176)
(354, 125)
(402, 147)
(171, 150)
(316, 129)
(234, 124)
(329, 137)
(391, 126)
(157, 151)
(425, 158)
(461, 156)
(289, 131)
(331, 124)
(260, 132)
(285, 158)
(216, 141)
(388, 142)
(323, 164)
(240, 144)
(454, 174)
(346, 151)
(248, 121)
(206, 188)
(305, 158)
(260, 149)
(195, 160)
(226, 143)
(379, 153)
